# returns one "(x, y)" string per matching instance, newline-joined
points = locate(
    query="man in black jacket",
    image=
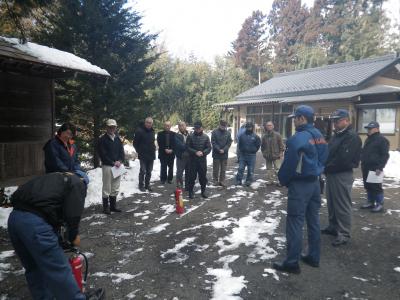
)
(344, 155)
(182, 155)
(221, 141)
(199, 146)
(41, 207)
(111, 152)
(146, 150)
(374, 157)
(166, 155)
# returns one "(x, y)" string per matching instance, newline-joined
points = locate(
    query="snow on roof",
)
(55, 57)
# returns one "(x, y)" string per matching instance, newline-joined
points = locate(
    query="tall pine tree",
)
(249, 49)
(108, 34)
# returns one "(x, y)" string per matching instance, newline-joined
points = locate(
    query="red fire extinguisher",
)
(79, 263)
(179, 201)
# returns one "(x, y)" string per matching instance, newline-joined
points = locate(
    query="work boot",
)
(97, 294)
(149, 188)
(377, 208)
(203, 193)
(191, 194)
(295, 269)
(113, 204)
(367, 205)
(106, 208)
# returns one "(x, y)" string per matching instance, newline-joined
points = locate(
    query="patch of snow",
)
(96, 216)
(392, 169)
(221, 215)
(145, 213)
(96, 223)
(6, 254)
(4, 214)
(174, 255)
(366, 228)
(158, 229)
(359, 278)
(118, 277)
(397, 269)
(272, 272)
(226, 286)
(132, 295)
(251, 232)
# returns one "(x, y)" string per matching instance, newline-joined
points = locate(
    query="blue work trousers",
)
(47, 270)
(304, 202)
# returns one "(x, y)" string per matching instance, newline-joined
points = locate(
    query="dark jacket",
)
(249, 143)
(180, 144)
(165, 140)
(220, 140)
(144, 143)
(344, 152)
(305, 155)
(56, 197)
(375, 153)
(198, 142)
(59, 157)
(110, 150)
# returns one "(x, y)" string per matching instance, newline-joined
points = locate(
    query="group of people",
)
(44, 204)
(306, 158)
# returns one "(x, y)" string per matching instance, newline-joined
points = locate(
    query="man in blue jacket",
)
(248, 144)
(304, 160)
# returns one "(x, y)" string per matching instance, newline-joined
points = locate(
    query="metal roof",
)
(343, 77)
(372, 90)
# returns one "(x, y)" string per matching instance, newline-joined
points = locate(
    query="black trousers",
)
(146, 167)
(167, 163)
(197, 166)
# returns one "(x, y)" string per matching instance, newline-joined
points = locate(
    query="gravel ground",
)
(223, 247)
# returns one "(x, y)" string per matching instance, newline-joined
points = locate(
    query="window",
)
(386, 117)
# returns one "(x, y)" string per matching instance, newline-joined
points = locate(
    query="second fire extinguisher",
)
(179, 201)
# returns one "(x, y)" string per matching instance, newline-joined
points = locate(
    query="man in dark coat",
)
(166, 155)
(111, 152)
(199, 146)
(221, 141)
(249, 143)
(146, 149)
(41, 207)
(344, 156)
(61, 154)
(374, 157)
(182, 155)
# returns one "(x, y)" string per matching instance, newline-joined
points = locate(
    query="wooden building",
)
(368, 88)
(27, 121)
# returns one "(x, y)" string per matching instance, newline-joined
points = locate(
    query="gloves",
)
(83, 176)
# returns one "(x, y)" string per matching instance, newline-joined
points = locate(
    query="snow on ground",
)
(117, 277)
(174, 255)
(392, 169)
(225, 285)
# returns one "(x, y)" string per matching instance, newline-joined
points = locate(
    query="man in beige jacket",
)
(272, 148)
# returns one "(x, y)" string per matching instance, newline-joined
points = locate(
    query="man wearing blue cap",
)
(344, 156)
(304, 160)
(374, 157)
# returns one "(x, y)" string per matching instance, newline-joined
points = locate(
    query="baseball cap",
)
(197, 124)
(340, 114)
(303, 110)
(372, 124)
(111, 122)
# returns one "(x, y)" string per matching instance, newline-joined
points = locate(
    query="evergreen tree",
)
(108, 34)
(286, 20)
(249, 49)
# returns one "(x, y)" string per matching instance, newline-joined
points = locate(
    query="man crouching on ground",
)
(304, 160)
(41, 207)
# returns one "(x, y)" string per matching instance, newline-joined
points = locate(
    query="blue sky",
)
(205, 28)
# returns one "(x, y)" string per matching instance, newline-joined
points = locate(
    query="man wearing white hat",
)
(112, 154)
